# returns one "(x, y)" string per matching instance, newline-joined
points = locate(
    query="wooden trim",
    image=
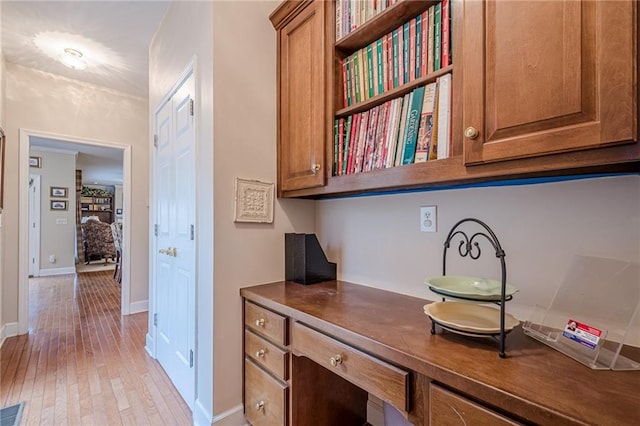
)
(286, 11)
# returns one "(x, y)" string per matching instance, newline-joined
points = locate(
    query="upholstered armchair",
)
(97, 241)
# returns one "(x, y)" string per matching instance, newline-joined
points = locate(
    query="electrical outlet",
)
(428, 219)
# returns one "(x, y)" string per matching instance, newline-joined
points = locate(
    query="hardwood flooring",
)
(83, 363)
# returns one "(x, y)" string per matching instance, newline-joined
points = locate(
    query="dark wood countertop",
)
(534, 383)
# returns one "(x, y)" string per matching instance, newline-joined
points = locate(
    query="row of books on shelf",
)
(350, 14)
(410, 129)
(419, 47)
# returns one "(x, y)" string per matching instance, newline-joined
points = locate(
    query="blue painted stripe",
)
(505, 182)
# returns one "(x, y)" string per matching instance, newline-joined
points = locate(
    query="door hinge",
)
(155, 320)
(190, 358)
(155, 229)
(191, 107)
(155, 140)
(193, 232)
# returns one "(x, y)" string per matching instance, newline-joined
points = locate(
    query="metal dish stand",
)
(470, 247)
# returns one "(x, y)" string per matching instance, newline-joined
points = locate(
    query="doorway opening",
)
(59, 197)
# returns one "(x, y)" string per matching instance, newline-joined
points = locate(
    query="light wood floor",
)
(82, 363)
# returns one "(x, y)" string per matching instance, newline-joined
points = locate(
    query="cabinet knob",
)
(336, 360)
(260, 322)
(315, 167)
(260, 405)
(471, 132)
(260, 353)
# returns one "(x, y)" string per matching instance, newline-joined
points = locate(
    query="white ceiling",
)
(113, 35)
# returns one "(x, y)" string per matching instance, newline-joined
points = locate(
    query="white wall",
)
(45, 102)
(376, 241)
(171, 50)
(238, 113)
(245, 147)
(58, 170)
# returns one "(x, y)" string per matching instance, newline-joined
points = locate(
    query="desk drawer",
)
(265, 322)
(265, 398)
(383, 380)
(266, 354)
(447, 408)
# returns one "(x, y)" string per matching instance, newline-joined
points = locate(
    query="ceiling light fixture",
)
(73, 59)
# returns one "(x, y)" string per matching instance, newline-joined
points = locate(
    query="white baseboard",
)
(232, 417)
(201, 416)
(57, 271)
(137, 307)
(149, 345)
(8, 330)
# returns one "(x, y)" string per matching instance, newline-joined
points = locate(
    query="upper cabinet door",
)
(302, 99)
(544, 77)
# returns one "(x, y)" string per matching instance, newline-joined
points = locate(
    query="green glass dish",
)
(469, 287)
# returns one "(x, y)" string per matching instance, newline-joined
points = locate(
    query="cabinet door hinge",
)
(190, 358)
(155, 320)
(193, 232)
(155, 141)
(191, 107)
(155, 229)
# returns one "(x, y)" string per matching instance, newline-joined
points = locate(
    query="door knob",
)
(171, 251)
(471, 132)
(163, 251)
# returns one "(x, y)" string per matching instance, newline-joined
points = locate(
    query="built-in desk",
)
(312, 353)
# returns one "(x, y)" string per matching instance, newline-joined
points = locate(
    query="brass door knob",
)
(260, 405)
(163, 251)
(260, 322)
(172, 251)
(336, 360)
(260, 353)
(471, 132)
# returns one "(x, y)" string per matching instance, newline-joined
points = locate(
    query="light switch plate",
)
(428, 219)
(61, 221)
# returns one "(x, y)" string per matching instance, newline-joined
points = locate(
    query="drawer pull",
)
(260, 353)
(260, 322)
(260, 405)
(336, 360)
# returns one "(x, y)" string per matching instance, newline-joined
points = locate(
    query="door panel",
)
(175, 207)
(530, 92)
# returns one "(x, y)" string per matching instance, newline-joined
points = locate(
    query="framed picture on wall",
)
(58, 204)
(35, 162)
(59, 192)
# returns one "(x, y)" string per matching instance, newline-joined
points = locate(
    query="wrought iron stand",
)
(470, 247)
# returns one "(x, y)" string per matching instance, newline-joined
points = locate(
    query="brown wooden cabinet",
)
(551, 88)
(303, 95)
(346, 340)
(547, 77)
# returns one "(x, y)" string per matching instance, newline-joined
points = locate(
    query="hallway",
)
(82, 363)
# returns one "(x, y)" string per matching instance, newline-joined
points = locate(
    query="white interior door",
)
(175, 241)
(34, 225)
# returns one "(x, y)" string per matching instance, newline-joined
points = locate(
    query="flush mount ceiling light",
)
(73, 59)
(78, 52)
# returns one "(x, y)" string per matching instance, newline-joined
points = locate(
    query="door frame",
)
(23, 210)
(35, 243)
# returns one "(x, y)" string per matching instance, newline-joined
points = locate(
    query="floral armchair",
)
(97, 241)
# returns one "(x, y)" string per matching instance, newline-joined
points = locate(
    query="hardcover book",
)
(413, 122)
(426, 123)
(401, 130)
(444, 116)
(437, 41)
(430, 41)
